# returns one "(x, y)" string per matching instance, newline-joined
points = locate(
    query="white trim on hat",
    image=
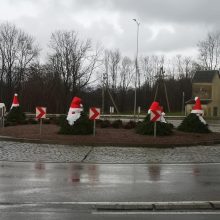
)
(197, 111)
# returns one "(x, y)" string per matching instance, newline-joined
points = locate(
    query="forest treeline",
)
(79, 67)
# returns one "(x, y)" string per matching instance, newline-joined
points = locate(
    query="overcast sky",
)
(166, 26)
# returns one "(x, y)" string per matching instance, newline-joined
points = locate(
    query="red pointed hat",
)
(155, 106)
(15, 102)
(197, 108)
(76, 102)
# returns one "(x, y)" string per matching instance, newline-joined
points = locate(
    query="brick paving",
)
(14, 151)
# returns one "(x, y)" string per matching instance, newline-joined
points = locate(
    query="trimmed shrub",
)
(105, 124)
(117, 124)
(192, 124)
(54, 120)
(16, 115)
(61, 119)
(82, 126)
(98, 122)
(46, 121)
(32, 121)
(7, 124)
(130, 125)
(147, 127)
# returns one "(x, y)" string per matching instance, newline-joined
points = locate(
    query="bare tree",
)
(114, 58)
(27, 52)
(73, 60)
(126, 73)
(209, 51)
(17, 51)
(147, 70)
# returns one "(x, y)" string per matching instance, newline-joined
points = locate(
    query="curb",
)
(40, 141)
(127, 206)
(160, 206)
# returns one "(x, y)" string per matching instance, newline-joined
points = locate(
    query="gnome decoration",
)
(162, 118)
(75, 110)
(154, 123)
(155, 106)
(16, 115)
(197, 109)
(15, 102)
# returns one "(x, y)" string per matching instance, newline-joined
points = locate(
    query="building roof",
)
(204, 76)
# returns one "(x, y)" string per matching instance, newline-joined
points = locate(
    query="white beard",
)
(162, 119)
(73, 115)
(201, 119)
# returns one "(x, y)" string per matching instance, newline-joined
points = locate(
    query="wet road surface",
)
(110, 216)
(70, 190)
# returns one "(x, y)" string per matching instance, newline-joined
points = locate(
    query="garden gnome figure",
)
(15, 102)
(197, 109)
(162, 118)
(75, 110)
(156, 106)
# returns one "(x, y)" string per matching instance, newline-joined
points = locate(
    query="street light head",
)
(135, 20)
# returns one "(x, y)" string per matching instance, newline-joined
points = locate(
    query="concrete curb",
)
(183, 206)
(161, 206)
(39, 141)
(126, 206)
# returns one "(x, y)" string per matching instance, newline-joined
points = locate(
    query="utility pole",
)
(103, 93)
(160, 80)
(136, 72)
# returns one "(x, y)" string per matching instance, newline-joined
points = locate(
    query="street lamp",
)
(136, 72)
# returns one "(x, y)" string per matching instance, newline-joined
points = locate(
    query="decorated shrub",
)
(82, 126)
(192, 123)
(16, 116)
(147, 127)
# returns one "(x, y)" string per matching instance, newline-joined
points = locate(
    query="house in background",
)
(206, 85)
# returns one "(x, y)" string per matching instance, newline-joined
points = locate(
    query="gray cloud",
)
(166, 25)
(187, 11)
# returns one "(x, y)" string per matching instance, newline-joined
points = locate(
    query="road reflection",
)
(154, 172)
(79, 173)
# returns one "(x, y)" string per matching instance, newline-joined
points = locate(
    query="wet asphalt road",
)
(84, 216)
(52, 190)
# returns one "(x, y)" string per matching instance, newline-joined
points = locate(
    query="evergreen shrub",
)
(192, 123)
(117, 124)
(82, 126)
(105, 124)
(147, 127)
(46, 121)
(130, 125)
(32, 121)
(16, 115)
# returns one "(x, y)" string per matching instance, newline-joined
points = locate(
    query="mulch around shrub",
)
(104, 137)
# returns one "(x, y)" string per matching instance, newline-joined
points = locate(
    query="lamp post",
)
(136, 72)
